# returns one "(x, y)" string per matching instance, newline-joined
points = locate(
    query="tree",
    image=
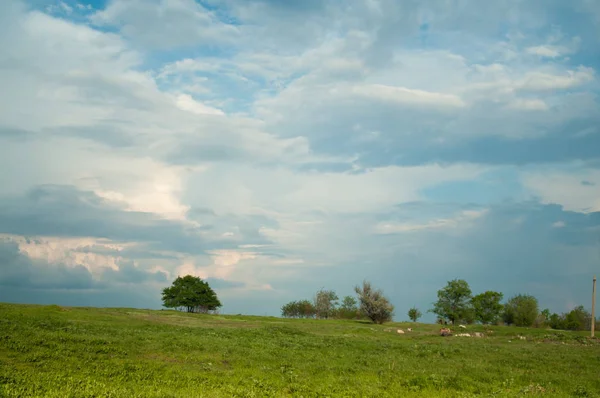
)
(191, 293)
(348, 309)
(306, 309)
(578, 319)
(487, 306)
(521, 310)
(290, 310)
(298, 309)
(414, 314)
(373, 304)
(454, 302)
(325, 303)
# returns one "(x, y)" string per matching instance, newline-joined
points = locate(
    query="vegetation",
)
(51, 351)
(190, 293)
(325, 303)
(577, 319)
(348, 309)
(298, 309)
(414, 314)
(454, 302)
(521, 310)
(487, 307)
(373, 304)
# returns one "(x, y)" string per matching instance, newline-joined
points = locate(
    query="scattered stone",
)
(462, 326)
(478, 334)
(400, 331)
(409, 329)
(463, 335)
(522, 338)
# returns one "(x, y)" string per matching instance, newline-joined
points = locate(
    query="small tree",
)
(190, 293)
(454, 302)
(373, 304)
(348, 309)
(306, 309)
(578, 319)
(521, 310)
(487, 307)
(290, 310)
(298, 309)
(325, 303)
(414, 314)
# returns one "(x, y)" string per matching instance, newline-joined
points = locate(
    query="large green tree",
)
(190, 293)
(454, 302)
(487, 306)
(521, 310)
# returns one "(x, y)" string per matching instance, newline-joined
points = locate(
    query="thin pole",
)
(594, 306)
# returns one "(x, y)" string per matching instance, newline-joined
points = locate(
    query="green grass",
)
(51, 351)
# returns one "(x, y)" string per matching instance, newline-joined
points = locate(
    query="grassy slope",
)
(83, 352)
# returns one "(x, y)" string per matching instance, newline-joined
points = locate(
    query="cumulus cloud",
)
(276, 147)
(165, 23)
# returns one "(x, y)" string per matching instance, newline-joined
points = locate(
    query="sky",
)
(274, 148)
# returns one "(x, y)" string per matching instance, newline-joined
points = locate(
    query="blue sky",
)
(278, 147)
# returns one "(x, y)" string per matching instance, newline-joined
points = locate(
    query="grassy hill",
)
(51, 351)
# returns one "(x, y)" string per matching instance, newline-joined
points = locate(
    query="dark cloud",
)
(217, 283)
(409, 137)
(129, 273)
(59, 210)
(19, 271)
(513, 248)
(132, 297)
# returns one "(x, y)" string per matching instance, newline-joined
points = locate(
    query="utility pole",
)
(594, 306)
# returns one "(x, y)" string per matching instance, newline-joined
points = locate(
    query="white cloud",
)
(165, 23)
(566, 188)
(545, 51)
(187, 103)
(462, 219)
(528, 104)
(404, 95)
(540, 81)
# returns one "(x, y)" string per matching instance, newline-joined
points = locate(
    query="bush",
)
(298, 309)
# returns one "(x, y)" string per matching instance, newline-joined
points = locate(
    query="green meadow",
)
(51, 351)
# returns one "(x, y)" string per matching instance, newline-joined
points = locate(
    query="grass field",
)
(51, 351)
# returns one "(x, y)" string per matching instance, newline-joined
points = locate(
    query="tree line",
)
(370, 303)
(456, 303)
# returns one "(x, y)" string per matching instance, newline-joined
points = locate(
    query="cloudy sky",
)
(277, 147)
